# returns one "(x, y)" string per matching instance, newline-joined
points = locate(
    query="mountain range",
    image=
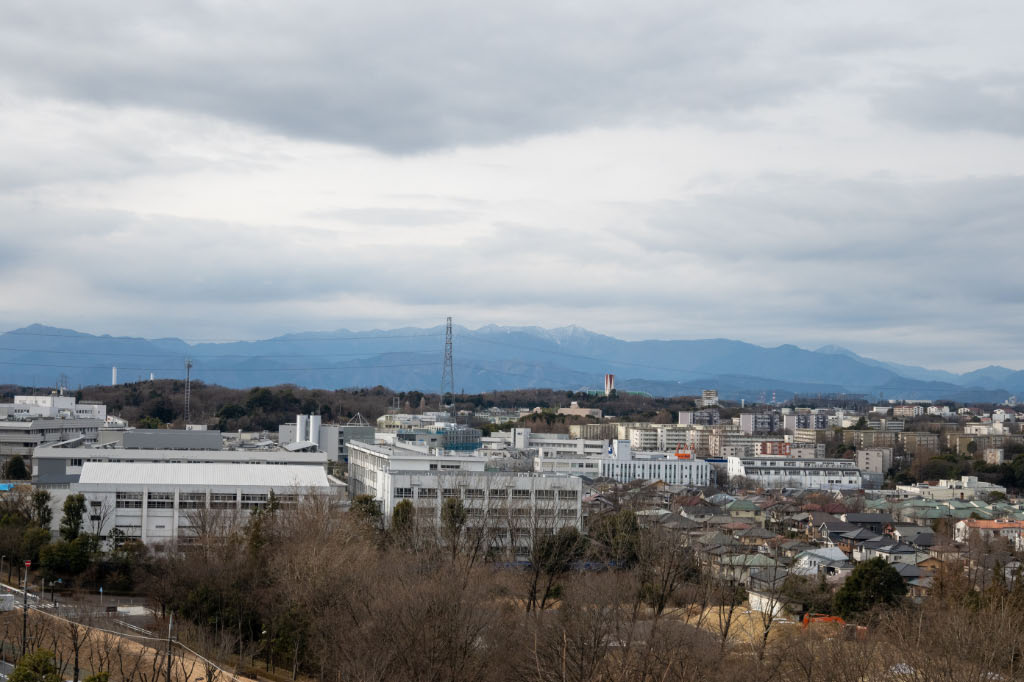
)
(490, 358)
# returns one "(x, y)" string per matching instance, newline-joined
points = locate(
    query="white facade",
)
(18, 437)
(328, 438)
(51, 407)
(161, 502)
(59, 467)
(643, 439)
(512, 506)
(553, 444)
(966, 488)
(624, 466)
(874, 460)
(788, 472)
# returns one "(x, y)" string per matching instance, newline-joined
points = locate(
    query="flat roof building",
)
(509, 508)
(789, 472)
(22, 437)
(60, 465)
(164, 502)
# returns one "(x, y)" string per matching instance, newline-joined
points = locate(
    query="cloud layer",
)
(229, 170)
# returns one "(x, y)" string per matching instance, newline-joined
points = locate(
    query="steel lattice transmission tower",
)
(447, 373)
(188, 390)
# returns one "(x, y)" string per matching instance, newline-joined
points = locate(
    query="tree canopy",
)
(872, 583)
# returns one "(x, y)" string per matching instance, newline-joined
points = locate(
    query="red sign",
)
(28, 563)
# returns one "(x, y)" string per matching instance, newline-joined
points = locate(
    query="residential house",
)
(831, 562)
(874, 522)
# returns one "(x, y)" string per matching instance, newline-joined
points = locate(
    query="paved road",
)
(5, 670)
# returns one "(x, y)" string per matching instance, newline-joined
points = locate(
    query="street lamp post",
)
(24, 613)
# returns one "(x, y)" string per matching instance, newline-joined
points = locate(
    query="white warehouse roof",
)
(203, 474)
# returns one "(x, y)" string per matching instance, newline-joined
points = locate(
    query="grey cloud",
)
(785, 259)
(992, 103)
(412, 78)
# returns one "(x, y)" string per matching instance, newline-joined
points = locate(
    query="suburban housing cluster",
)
(759, 492)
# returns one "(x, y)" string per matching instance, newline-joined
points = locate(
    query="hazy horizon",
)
(440, 326)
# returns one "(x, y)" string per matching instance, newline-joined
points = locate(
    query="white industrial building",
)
(21, 437)
(53, 406)
(512, 505)
(309, 430)
(554, 443)
(965, 488)
(789, 472)
(161, 502)
(624, 466)
(59, 465)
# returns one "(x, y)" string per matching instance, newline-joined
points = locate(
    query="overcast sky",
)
(808, 173)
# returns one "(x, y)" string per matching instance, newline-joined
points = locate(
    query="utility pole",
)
(170, 641)
(188, 389)
(24, 612)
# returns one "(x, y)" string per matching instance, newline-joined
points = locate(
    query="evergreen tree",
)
(872, 583)
(36, 667)
(74, 510)
(15, 469)
(41, 512)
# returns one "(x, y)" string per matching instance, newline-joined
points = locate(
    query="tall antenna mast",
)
(447, 373)
(188, 390)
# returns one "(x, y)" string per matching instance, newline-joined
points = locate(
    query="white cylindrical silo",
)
(300, 428)
(314, 428)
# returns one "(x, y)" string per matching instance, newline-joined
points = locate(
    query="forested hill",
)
(260, 408)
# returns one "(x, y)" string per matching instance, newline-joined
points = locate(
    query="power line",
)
(92, 337)
(240, 369)
(171, 356)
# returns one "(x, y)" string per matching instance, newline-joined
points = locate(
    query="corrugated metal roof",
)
(202, 474)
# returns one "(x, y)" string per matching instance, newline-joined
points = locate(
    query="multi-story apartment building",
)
(869, 439)
(708, 417)
(874, 460)
(805, 420)
(783, 449)
(760, 422)
(919, 442)
(788, 472)
(644, 438)
(961, 442)
(812, 436)
(908, 411)
(606, 431)
(725, 443)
